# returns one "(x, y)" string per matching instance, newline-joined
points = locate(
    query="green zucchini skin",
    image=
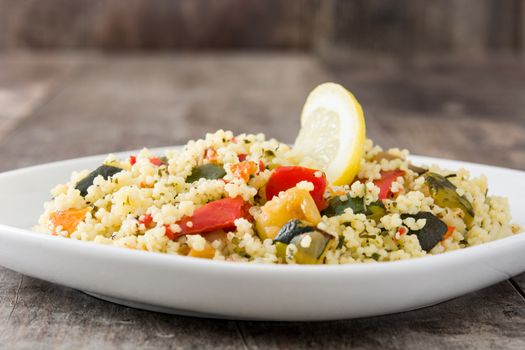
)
(104, 170)
(206, 171)
(444, 193)
(336, 206)
(375, 211)
(291, 229)
(432, 233)
(293, 232)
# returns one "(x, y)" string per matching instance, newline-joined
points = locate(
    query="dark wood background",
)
(402, 27)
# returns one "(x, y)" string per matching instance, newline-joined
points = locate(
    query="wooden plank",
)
(402, 28)
(519, 283)
(409, 27)
(47, 316)
(157, 24)
(493, 318)
(26, 83)
(57, 317)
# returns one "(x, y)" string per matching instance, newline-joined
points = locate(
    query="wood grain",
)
(25, 84)
(111, 103)
(402, 28)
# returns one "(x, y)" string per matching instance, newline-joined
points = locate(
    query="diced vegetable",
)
(68, 219)
(287, 177)
(417, 169)
(444, 194)
(291, 229)
(432, 233)
(243, 170)
(336, 206)
(169, 233)
(156, 161)
(211, 154)
(376, 210)
(206, 171)
(385, 155)
(294, 203)
(207, 253)
(385, 182)
(217, 215)
(294, 232)
(146, 220)
(132, 160)
(450, 232)
(105, 171)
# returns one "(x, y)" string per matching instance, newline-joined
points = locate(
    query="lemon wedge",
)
(333, 133)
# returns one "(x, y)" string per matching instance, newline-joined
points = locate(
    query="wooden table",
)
(61, 106)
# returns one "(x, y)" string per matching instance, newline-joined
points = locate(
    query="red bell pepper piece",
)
(146, 220)
(286, 177)
(156, 161)
(169, 233)
(385, 182)
(217, 215)
(132, 160)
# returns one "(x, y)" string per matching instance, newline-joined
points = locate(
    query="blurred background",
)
(443, 78)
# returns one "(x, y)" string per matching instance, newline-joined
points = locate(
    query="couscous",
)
(246, 198)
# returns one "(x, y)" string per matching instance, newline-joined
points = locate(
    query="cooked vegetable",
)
(417, 169)
(104, 170)
(243, 170)
(336, 206)
(207, 253)
(432, 233)
(157, 161)
(217, 215)
(286, 177)
(385, 155)
(296, 232)
(445, 195)
(68, 219)
(146, 220)
(376, 210)
(294, 203)
(206, 171)
(291, 229)
(385, 182)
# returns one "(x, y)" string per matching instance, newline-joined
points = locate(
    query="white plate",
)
(201, 287)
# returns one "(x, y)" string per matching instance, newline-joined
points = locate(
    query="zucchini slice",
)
(104, 170)
(432, 233)
(293, 232)
(444, 194)
(376, 210)
(206, 171)
(336, 206)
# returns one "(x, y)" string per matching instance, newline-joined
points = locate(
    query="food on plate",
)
(332, 198)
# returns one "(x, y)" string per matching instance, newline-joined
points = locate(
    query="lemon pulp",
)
(332, 133)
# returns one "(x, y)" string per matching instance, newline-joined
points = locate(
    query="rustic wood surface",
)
(402, 27)
(61, 106)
